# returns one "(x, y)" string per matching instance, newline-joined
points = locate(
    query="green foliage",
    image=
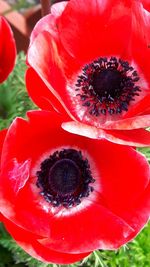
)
(145, 151)
(14, 101)
(21, 5)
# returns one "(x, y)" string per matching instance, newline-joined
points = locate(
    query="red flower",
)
(7, 50)
(94, 56)
(63, 195)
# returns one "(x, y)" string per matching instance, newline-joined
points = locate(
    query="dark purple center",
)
(107, 83)
(107, 86)
(64, 178)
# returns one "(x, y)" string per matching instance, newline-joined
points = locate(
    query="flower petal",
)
(96, 227)
(146, 4)
(140, 108)
(136, 137)
(141, 36)
(139, 212)
(86, 29)
(48, 65)
(2, 137)
(31, 245)
(40, 93)
(7, 50)
(136, 122)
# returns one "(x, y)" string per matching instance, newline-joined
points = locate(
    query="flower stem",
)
(45, 7)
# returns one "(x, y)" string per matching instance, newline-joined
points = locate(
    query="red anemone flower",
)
(64, 195)
(94, 57)
(7, 49)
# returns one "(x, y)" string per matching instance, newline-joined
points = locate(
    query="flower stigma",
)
(107, 86)
(64, 178)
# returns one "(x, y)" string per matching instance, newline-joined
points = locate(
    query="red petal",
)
(40, 93)
(96, 227)
(139, 212)
(136, 137)
(137, 122)
(2, 137)
(88, 28)
(141, 52)
(48, 65)
(31, 245)
(139, 108)
(7, 50)
(146, 4)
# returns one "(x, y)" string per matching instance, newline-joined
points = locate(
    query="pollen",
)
(107, 86)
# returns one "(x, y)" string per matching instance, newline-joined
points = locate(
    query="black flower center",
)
(107, 83)
(107, 86)
(64, 178)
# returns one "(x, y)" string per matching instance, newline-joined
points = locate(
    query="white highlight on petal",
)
(19, 174)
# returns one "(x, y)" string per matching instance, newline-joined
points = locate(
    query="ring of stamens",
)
(64, 178)
(107, 86)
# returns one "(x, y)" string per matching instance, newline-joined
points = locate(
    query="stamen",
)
(107, 86)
